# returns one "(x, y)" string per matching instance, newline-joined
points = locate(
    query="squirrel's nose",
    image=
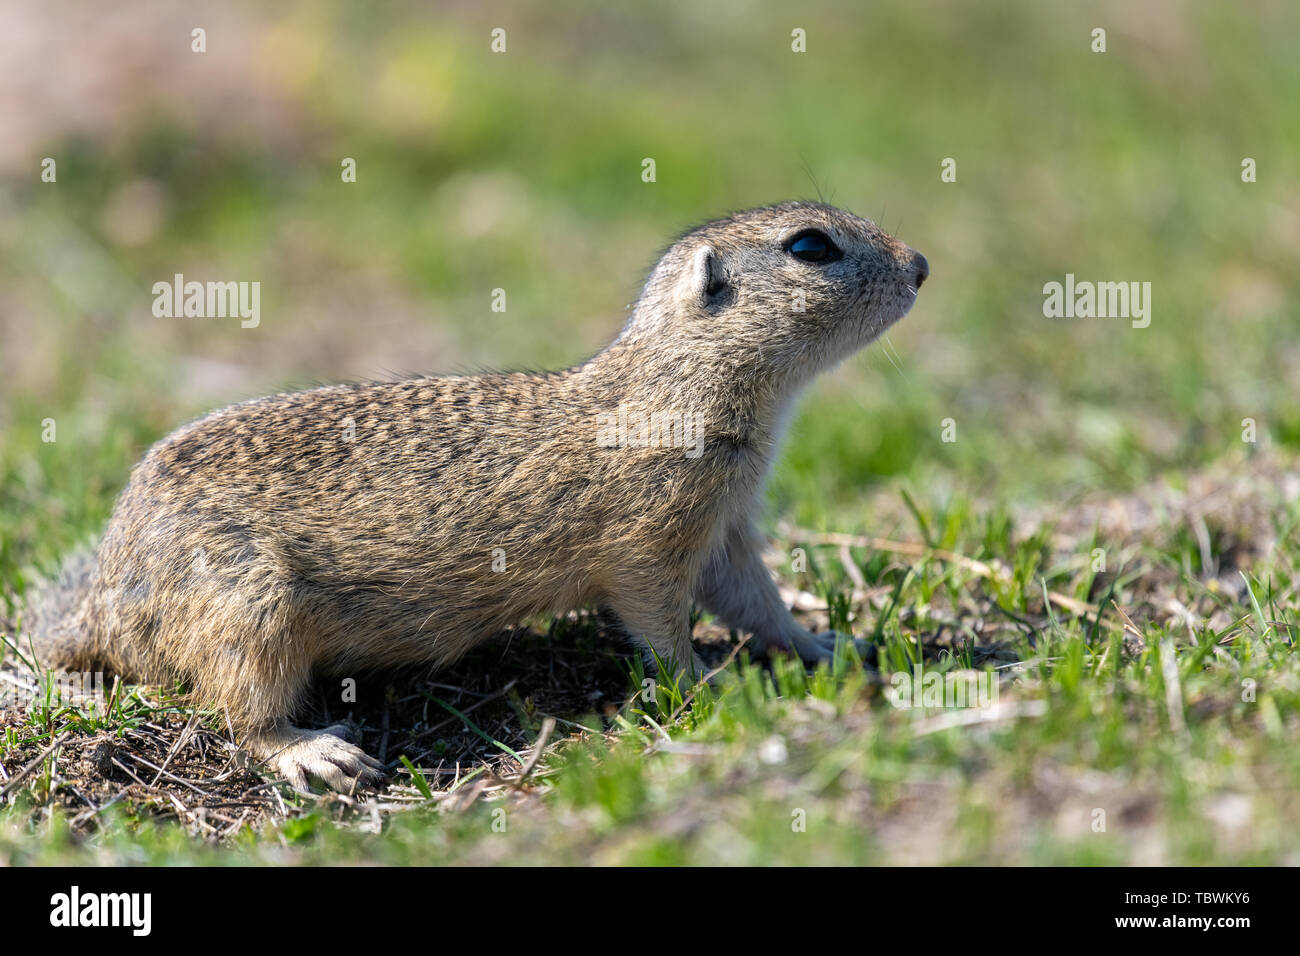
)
(922, 267)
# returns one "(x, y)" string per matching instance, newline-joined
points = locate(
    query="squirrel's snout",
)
(922, 267)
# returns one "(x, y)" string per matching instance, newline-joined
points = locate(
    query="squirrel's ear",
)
(708, 280)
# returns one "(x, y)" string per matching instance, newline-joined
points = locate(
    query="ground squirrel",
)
(370, 525)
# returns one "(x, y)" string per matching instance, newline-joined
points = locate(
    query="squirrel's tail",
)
(51, 625)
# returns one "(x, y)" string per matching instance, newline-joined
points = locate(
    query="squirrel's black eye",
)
(813, 246)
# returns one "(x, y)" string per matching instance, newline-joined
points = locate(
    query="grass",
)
(1168, 742)
(1099, 474)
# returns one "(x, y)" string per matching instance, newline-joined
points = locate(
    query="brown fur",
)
(259, 545)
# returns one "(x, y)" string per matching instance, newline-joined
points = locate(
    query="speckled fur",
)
(258, 545)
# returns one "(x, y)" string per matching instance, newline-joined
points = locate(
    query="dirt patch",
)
(455, 726)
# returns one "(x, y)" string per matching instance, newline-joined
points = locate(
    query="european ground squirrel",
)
(358, 526)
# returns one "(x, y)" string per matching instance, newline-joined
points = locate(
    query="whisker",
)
(894, 359)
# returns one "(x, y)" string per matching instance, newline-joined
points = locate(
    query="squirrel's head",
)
(802, 284)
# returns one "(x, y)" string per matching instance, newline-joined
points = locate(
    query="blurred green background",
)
(522, 171)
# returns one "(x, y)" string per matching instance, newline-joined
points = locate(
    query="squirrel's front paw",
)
(813, 648)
